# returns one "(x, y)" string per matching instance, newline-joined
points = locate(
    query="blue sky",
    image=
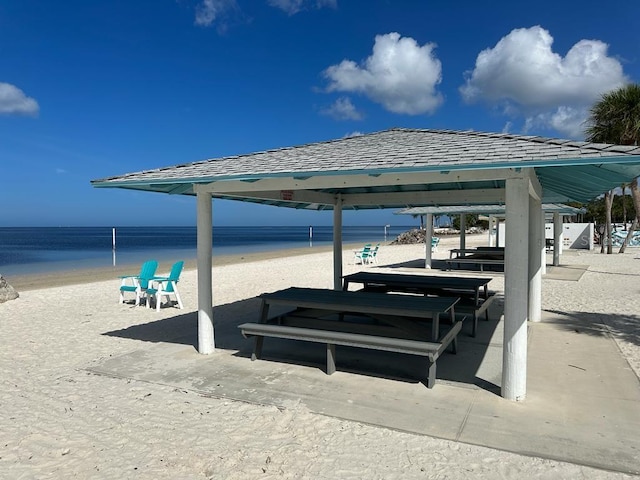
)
(91, 89)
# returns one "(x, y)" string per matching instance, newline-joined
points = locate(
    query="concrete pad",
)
(582, 405)
(565, 272)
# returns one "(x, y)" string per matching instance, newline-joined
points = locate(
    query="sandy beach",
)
(60, 421)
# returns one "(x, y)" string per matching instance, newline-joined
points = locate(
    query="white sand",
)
(58, 421)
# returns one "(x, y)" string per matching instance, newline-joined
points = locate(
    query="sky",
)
(93, 89)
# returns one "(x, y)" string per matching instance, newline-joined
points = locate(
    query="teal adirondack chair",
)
(373, 257)
(363, 256)
(138, 284)
(434, 243)
(166, 286)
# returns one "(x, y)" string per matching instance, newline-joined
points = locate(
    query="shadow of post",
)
(625, 327)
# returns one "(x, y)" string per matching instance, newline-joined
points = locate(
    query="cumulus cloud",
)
(208, 11)
(291, 7)
(400, 74)
(568, 121)
(524, 76)
(343, 109)
(13, 101)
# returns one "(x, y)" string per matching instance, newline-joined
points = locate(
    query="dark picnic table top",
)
(418, 281)
(361, 302)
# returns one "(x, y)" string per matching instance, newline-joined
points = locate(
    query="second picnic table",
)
(473, 289)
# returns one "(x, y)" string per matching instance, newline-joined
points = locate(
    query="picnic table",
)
(319, 315)
(473, 291)
(480, 256)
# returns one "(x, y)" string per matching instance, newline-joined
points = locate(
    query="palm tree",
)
(615, 118)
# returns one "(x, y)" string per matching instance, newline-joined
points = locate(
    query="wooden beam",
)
(347, 180)
(400, 199)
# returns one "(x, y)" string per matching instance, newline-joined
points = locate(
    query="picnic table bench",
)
(321, 316)
(479, 256)
(475, 298)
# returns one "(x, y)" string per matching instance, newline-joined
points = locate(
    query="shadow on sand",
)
(478, 361)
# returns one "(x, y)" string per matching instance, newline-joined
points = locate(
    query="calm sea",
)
(32, 250)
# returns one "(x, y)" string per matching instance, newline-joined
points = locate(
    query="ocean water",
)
(32, 250)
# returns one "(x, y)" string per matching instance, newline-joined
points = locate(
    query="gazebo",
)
(496, 211)
(400, 168)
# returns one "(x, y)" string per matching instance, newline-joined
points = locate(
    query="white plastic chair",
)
(166, 286)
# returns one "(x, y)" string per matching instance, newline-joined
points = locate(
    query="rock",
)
(7, 292)
(412, 236)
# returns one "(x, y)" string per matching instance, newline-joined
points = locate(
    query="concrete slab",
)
(582, 406)
(565, 272)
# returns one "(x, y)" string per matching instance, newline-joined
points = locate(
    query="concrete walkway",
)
(582, 405)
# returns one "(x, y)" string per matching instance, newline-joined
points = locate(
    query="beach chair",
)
(166, 286)
(138, 284)
(373, 257)
(363, 256)
(434, 244)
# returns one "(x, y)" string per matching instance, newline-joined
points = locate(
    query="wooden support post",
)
(543, 249)
(516, 281)
(463, 230)
(428, 233)
(337, 243)
(536, 246)
(331, 358)
(206, 342)
(557, 238)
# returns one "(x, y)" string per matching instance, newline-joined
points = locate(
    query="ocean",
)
(33, 250)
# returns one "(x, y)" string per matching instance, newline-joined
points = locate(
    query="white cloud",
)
(568, 121)
(291, 7)
(209, 11)
(14, 101)
(524, 76)
(343, 109)
(353, 134)
(400, 75)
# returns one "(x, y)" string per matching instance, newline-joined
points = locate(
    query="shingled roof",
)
(568, 170)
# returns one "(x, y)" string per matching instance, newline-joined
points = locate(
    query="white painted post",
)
(557, 238)
(536, 246)
(516, 290)
(206, 341)
(463, 230)
(337, 243)
(428, 233)
(491, 231)
(543, 250)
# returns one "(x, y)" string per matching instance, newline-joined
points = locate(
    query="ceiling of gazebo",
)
(398, 168)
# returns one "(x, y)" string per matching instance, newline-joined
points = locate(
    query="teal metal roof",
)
(567, 170)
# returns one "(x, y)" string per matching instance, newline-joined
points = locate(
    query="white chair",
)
(363, 256)
(166, 286)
